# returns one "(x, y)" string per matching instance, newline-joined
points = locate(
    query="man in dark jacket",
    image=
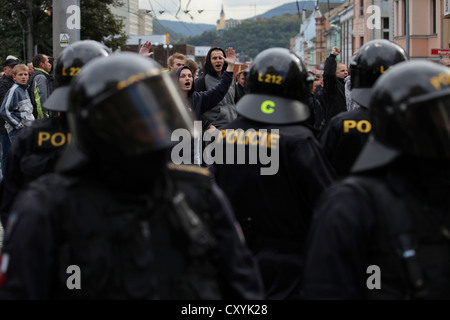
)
(224, 111)
(40, 85)
(240, 84)
(333, 85)
(6, 82)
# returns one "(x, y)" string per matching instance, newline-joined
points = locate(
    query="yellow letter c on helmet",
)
(267, 106)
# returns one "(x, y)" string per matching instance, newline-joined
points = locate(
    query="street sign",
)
(64, 39)
(441, 52)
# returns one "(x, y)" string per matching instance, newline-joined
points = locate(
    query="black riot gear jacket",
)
(344, 137)
(173, 240)
(386, 231)
(34, 153)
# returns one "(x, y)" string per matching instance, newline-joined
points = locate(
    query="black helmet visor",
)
(428, 122)
(362, 77)
(140, 117)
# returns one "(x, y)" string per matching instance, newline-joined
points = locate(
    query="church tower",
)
(221, 22)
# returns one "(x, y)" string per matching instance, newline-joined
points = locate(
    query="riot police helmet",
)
(130, 112)
(68, 65)
(278, 86)
(372, 60)
(410, 113)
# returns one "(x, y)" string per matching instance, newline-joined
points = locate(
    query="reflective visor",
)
(428, 125)
(362, 77)
(141, 117)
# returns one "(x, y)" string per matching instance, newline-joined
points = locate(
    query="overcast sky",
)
(208, 11)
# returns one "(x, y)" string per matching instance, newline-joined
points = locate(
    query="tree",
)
(251, 37)
(97, 23)
(13, 28)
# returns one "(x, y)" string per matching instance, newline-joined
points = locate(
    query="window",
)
(433, 16)
(385, 31)
(400, 7)
(361, 41)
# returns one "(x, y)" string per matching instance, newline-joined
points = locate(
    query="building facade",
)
(136, 21)
(145, 23)
(303, 44)
(421, 27)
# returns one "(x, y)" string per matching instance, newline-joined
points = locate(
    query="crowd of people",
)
(297, 185)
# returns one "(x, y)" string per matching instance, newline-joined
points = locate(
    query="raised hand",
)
(335, 51)
(145, 49)
(231, 56)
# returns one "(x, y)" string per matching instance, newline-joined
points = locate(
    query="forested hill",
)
(251, 37)
(179, 29)
(159, 28)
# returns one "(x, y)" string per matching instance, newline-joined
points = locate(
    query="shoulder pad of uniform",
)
(52, 179)
(189, 177)
(183, 168)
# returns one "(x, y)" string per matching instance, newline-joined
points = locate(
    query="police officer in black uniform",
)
(382, 233)
(346, 133)
(115, 221)
(39, 146)
(274, 190)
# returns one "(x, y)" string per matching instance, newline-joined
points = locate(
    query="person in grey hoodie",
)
(201, 102)
(225, 111)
